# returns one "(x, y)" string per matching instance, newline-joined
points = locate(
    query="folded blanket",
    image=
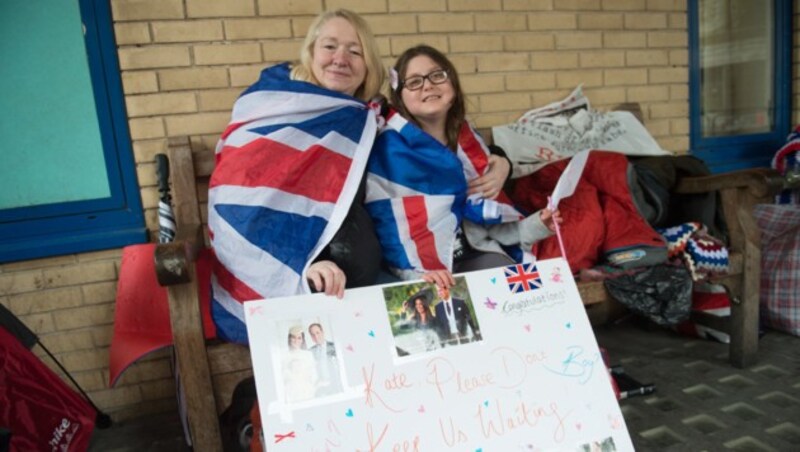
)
(417, 194)
(288, 167)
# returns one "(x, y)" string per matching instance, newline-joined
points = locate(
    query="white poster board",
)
(522, 372)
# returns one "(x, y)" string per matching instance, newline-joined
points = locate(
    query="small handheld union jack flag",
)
(522, 277)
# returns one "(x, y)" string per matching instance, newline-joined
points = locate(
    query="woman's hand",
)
(550, 218)
(327, 276)
(442, 278)
(491, 183)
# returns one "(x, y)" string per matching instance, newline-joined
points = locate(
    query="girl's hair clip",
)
(394, 80)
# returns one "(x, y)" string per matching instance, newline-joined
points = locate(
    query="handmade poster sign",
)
(509, 362)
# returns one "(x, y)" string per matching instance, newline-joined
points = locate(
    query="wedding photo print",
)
(424, 317)
(309, 363)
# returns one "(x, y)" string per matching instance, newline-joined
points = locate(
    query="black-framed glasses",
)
(436, 77)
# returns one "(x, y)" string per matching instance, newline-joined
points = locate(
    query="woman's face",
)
(296, 341)
(419, 306)
(431, 102)
(338, 62)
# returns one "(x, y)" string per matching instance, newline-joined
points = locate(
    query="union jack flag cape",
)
(417, 194)
(287, 169)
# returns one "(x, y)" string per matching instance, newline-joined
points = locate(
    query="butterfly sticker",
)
(489, 303)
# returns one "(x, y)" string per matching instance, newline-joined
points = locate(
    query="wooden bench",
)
(210, 370)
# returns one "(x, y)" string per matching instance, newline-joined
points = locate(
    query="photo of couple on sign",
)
(426, 317)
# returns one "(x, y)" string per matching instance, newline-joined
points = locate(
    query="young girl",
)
(420, 170)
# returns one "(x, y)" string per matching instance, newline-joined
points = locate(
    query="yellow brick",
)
(674, 109)
(599, 21)
(153, 57)
(493, 119)
(623, 5)
(648, 93)
(70, 319)
(189, 31)
(123, 10)
(384, 46)
(159, 104)
(417, 5)
(401, 43)
(197, 123)
(666, 5)
(646, 58)
(194, 78)
(101, 292)
(479, 84)
(146, 174)
(446, 23)
(227, 53)
(678, 20)
(667, 39)
(658, 127)
(669, 75)
(216, 8)
(624, 39)
(111, 254)
(475, 43)
(45, 300)
(528, 5)
(571, 79)
(157, 390)
(145, 150)
(150, 197)
(474, 5)
(625, 77)
(392, 24)
(577, 5)
(503, 102)
(289, 7)
(674, 144)
(679, 126)
(528, 41)
(679, 92)
(142, 128)
(102, 336)
(21, 282)
(603, 58)
(68, 341)
(579, 40)
(500, 22)
(605, 96)
(554, 60)
(679, 57)
(530, 81)
(464, 64)
(34, 264)
(88, 272)
(146, 371)
(131, 33)
(282, 50)
(361, 6)
(117, 397)
(39, 323)
(300, 26)
(542, 98)
(93, 380)
(242, 76)
(500, 62)
(552, 21)
(257, 28)
(218, 99)
(645, 21)
(139, 82)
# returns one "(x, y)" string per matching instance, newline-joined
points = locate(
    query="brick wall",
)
(184, 62)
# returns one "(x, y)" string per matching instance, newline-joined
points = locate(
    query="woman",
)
(285, 198)
(417, 188)
(299, 368)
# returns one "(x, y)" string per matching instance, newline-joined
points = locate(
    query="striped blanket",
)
(287, 169)
(417, 195)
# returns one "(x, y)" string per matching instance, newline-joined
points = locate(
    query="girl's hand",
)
(491, 183)
(442, 278)
(327, 276)
(550, 218)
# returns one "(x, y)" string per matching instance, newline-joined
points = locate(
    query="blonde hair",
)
(376, 75)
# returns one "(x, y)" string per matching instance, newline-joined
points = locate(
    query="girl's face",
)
(338, 63)
(431, 102)
(420, 307)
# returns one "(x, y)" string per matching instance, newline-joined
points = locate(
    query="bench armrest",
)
(761, 182)
(173, 259)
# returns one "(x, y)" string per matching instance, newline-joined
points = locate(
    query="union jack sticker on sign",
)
(522, 278)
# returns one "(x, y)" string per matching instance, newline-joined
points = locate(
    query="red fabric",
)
(599, 217)
(39, 409)
(141, 316)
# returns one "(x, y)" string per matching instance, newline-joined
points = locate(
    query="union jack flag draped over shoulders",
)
(287, 169)
(417, 194)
